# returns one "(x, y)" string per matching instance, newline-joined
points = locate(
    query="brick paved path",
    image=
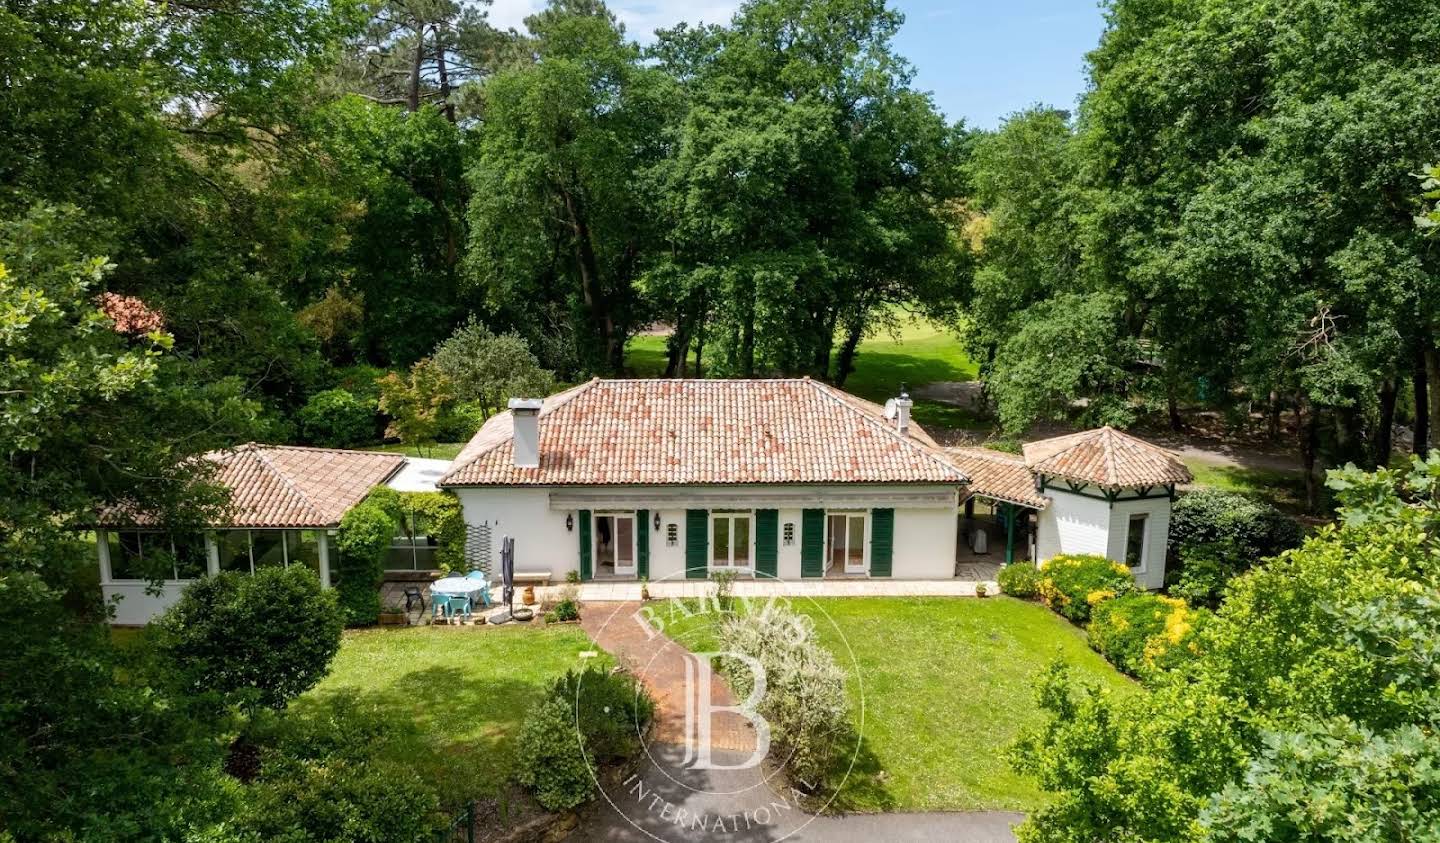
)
(662, 665)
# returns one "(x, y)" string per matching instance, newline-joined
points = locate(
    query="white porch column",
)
(324, 547)
(212, 554)
(102, 550)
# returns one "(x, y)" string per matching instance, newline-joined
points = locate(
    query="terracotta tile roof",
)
(615, 432)
(288, 486)
(997, 475)
(1107, 458)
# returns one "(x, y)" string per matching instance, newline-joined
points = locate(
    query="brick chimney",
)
(525, 414)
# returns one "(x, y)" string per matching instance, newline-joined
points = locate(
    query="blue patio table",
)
(461, 587)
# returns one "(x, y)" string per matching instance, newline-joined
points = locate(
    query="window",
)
(136, 555)
(1135, 541)
(412, 549)
(730, 540)
(234, 550)
(672, 535)
(246, 551)
(788, 532)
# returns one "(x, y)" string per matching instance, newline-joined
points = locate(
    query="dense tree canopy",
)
(1234, 204)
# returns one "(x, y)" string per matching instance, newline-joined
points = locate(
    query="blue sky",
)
(983, 59)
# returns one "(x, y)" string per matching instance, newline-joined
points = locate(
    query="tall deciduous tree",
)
(554, 214)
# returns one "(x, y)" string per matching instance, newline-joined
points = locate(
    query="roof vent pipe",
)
(525, 414)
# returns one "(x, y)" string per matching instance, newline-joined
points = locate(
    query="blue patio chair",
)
(480, 576)
(459, 607)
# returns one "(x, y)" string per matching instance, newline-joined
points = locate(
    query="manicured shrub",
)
(565, 610)
(1139, 632)
(339, 801)
(259, 640)
(594, 714)
(1216, 535)
(804, 702)
(366, 533)
(1021, 580)
(337, 419)
(1073, 585)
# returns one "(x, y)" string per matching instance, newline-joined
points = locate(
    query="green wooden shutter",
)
(642, 543)
(812, 543)
(882, 542)
(767, 541)
(585, 544)
(697, 544)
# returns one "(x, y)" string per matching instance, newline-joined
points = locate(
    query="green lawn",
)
(430, 450)
(947, 685)
(920, 353)
(1283, 489)
(466, 691)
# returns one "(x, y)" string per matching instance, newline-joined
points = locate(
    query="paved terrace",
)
(612, 592)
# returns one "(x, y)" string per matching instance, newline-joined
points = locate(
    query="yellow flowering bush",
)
(1140, 632)
(1074, 585)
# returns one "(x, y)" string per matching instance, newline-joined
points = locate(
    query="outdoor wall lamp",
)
(657, 520)
(569, 522)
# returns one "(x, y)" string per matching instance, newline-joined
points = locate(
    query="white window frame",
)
(630, 570)
(864, 515)
(320, 544)
(1144, 541)
(731, 514)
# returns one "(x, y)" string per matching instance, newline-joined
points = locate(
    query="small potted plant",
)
(528, 595)
(644, 588)
(980, 590)
(394, 615)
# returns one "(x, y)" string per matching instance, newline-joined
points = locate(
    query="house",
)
(1098, 491)
(666, 479)
(285, 508)
(671, 479)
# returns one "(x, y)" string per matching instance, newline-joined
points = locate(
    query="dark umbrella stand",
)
(507, 578)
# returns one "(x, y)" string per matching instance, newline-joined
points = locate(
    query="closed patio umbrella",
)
(507, 579)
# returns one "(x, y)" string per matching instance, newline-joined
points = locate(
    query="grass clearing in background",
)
(429, 450)
(948, 685)
(1285, 490)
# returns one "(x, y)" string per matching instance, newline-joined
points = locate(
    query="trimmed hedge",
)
(1021, 580)
(1073, 584)
(1139, 632)
(258, 640)
(594, 714)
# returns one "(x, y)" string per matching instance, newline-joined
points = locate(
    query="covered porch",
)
(998, 512)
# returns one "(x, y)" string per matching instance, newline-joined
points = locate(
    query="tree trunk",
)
(444, 73)
(845, 364)
(590, 289)
(677, 346)
(700, 349)
(747, 338)
(412, 102)
(1421, 385)
(1309, 435)
(1432, 374)
(1274, 416)
(1172, 402)
(1384, 435)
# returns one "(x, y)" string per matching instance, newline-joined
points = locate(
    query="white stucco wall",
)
(1076, 524)
(134, 607)
(924, 545)
(1073, 524)
(1157, 530)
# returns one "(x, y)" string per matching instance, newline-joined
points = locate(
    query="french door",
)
(845, 542)
(730, 540)
(615, 543)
